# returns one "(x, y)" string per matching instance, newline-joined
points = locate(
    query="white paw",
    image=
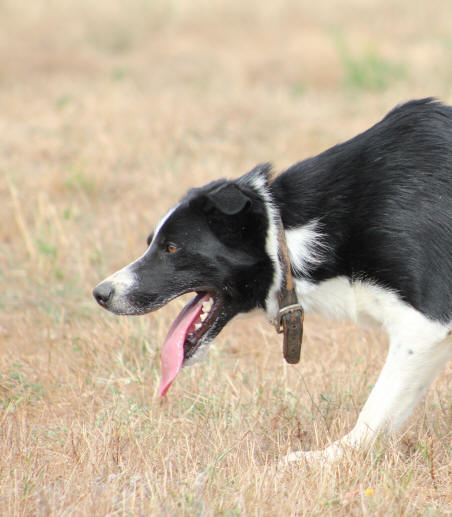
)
(323, 457)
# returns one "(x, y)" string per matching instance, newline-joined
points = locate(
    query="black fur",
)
(384, 201)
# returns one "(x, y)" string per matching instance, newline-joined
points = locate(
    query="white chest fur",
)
(360, 301)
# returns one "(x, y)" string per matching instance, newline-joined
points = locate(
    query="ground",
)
(109, 112)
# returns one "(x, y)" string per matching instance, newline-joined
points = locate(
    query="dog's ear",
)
(227, 199)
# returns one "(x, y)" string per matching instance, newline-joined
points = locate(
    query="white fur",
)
(271, 246)
(418, 348)
(306, 247)
(333, 298)
(122, 282)
(162, 222)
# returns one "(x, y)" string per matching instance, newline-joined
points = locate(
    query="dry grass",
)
(109, 112)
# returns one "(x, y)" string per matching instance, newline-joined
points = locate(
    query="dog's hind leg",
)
(418, 349)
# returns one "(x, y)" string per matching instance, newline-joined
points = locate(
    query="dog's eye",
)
(171, 247)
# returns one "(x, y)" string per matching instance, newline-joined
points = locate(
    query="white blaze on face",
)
(125, 280)
(162, 222)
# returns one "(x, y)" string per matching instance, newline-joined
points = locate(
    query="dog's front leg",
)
(411, 365)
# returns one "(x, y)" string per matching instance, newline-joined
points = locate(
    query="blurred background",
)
(112, 105)
(129, 102)
(109, 111)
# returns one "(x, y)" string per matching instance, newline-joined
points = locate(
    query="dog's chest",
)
(339, 298)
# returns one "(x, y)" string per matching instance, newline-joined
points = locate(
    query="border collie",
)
(368, 227)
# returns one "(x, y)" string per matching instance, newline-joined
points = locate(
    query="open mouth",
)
(205, 314)
(186, 335)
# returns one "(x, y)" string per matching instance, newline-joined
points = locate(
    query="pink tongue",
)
(173, 347)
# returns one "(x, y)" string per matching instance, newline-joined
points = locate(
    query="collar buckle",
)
(278, 322)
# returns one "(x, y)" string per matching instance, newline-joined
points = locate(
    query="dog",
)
(368, 230)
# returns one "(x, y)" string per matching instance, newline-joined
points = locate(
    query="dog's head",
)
(214, 243)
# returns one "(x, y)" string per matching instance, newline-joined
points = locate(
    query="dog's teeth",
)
(203, 316)
(197, 326)
(206, 306)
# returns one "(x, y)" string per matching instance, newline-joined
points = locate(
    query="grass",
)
(108, 116)
(370, 70)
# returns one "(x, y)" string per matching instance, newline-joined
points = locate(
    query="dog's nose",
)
(103, 293)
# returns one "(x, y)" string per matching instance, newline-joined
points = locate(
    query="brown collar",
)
(290, 316)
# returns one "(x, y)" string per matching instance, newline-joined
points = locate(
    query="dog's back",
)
(383, 206)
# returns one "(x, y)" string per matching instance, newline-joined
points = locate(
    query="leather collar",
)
(289, 320)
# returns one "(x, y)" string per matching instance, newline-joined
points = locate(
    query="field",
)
(109, 111)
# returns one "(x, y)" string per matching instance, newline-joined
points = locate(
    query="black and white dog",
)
(368, 226)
